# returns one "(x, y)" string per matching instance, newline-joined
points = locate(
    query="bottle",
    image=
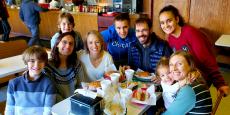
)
(85, 6)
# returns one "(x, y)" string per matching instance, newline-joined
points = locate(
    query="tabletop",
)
(63, 107)
(224, 40)
(11, 65)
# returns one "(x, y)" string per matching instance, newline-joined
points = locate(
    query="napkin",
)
(153, 98)
(86, 93)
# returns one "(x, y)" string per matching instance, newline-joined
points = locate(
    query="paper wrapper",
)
(152, 99)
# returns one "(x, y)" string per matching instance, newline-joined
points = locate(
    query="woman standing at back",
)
(187, 38)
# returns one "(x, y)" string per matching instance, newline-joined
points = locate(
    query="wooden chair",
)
(217, 102)
(12, 48)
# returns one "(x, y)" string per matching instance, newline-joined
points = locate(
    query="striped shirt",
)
(194, 99)
(25, 97)
(66, 81)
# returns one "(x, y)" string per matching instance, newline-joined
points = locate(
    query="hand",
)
(224, 90)
(156, 80)
(193, 75)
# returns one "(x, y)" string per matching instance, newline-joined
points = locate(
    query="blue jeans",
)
(34, 40)
(6, 29)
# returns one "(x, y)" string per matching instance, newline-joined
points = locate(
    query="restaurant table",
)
(63, 107)
(224, 41)
(11, 65)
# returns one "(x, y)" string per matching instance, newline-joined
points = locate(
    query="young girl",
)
(66, 24)
(170, 88)
(64, 68)
(187, 38)
(33, 92)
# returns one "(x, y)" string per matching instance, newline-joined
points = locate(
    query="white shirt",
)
(95, 73)
(169, 93)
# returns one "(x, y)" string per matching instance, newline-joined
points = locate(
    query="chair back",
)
(217, 103)
(12, 48)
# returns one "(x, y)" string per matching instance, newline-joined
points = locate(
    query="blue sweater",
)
(117, 46)
(147, 58)
(29, 12)
(25, 97)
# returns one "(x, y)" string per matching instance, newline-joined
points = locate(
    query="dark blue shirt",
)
(147, 58)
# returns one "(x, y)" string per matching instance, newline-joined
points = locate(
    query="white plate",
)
(146, 78)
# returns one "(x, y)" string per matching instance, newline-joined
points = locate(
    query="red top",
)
(194, 41)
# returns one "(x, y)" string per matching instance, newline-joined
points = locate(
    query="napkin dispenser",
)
(82, 105)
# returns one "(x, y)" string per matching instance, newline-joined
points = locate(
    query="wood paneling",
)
(84, 22)
(213, 15)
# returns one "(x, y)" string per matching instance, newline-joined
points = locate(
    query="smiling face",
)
(178, 67)
(122, 28)
(35, 66)
(66, 45)
(164, 74)
(94, 44)
(168, 22)
(143, 33)
(65, 25)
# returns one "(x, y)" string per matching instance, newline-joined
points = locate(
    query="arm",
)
(185, 100)
(21, 15)
(39, 9)
(54, 39)
(167, 50)
(10, 100)
(205, 57)
(81, 76)
(79, 40)
(50, 99)
(108, 34)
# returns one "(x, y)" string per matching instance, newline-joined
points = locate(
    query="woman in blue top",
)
(118, 38)
(190, 99)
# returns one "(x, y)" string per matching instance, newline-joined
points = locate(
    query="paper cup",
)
(105, 84)
(115, 78)
(126, 94)
(129, 74)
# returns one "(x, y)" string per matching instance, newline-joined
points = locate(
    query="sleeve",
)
(50, 99)
(204, 55)
(39, 9)
(110, 64)
(79, 40)
(107, 34)
(81, 75)
(167, 50)
(54, 39)
(170, 88)
(10, 100)
(21, 15)
(185, 99)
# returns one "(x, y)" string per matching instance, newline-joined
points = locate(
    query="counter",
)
(84, 22)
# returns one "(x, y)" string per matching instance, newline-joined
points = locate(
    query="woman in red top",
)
(187, 38)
